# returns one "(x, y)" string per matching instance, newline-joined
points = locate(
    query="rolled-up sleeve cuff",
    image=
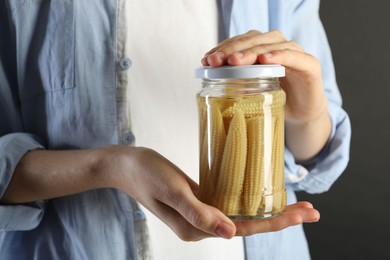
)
(22, 216)
(324, 170)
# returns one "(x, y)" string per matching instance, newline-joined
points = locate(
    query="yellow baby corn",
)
(202, 114)
(218, 138)
(251, 107)
(232, 173)
(236, 174)
(278, 163)
(204, 169)
(212, 158)
(254, 105)
(254, 176)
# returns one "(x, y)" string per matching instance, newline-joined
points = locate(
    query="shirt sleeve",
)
(20, 216)
(323, 171)
(13, 142)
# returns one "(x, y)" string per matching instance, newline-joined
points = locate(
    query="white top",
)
(172, 36)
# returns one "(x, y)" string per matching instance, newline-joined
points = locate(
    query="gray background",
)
(355, 215)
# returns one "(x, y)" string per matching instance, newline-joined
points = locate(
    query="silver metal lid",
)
(241, 72)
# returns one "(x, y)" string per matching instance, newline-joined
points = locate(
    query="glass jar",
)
(241, 126)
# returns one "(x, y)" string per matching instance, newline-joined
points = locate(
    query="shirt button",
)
(125, 63)
(138, 215)
(128, 138)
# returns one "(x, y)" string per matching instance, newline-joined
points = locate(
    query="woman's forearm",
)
(43, 174)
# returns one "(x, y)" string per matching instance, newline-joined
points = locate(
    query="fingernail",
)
(220, 54)
(216, 58)
(313, 219)
(239, 54)
(204, 61)
(267, 55)
(224, 230)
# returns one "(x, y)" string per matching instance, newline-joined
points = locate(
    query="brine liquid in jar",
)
(241, 132)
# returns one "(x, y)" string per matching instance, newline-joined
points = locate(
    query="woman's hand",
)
(145, 175)
(171, 195)
(308, 125)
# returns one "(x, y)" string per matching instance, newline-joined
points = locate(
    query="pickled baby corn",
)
(231, 176)
(278, 165)
(218, 138)
(204, 170)
(210, 169)
(254, 175)
(235, 174)
(251, 107)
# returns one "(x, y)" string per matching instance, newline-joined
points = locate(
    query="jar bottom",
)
(272, 206)
(252, 218)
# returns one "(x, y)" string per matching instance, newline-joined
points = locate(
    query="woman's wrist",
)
(115, 166)
(307, 138)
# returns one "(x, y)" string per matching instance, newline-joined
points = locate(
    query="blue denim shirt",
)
(59, 89)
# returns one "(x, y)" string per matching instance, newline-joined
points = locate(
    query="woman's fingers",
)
(295, 214)
(293, 60)
(306, 99)
(220, 54)
(251, 55)
(190, 218)
(170, 195)
(248, 40)
(232, 40)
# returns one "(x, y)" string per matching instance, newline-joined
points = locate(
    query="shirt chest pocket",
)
(45, 45)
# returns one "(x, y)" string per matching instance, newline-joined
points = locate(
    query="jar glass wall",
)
(241, 130)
